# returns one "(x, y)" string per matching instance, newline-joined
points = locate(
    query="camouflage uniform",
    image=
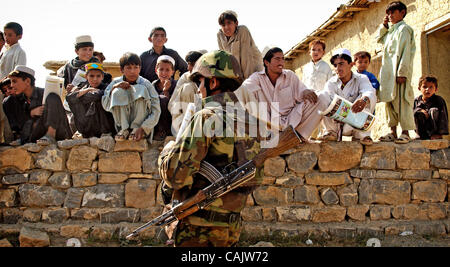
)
(220, 223)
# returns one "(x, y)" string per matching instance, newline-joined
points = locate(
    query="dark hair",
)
(2, 36)
(225, 85)
(341, 56)
(227, 15)
(18, 30)
(362, 54)
(129, 59)
(100, 55)
(157, 29)
(317, 42)
(23, 76)
(193, 56)
(428, 78)
(396, 5)
(271, 52)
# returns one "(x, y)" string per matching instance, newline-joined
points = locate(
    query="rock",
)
(435, 144)
(68, 144)
(57, 215)
(129, 145)
(348, 196)
(289, 180)
(81, 158)
(301, 162)
(15, 179)
(384, 192)
(140, 193)
(84, 179)
(129, 162)
(382, 174)
(274, 167)
(269, 214)
(328, 214)
(51, 158)
(12, 215)
(327, 178)
(73, 242)
(39, 177)
(441, 158)
(271, 195)
(73, 198)
(436, 211)
(343, 232)
(102, 234)
(378, 212)
(84, 214)
(33, 147)
(412, 156)
(4, 243)
(150, 213)
(339, 156)
(60, 180)
(251, 214)
(106, 143)
(33, 238)
(111, 178)
(40, 196)
(150, 161)
(263, 244)
(7, 197)
(430, 229)
(379, 156)
(429, 191)
(358, 212)
(329, 197)
(32, 215)
(417, 174)
(361, 173)
(119, 215)
(8, 158)
(405, 212)
(101, 196)
(293, 214)
(93, 141)
(443, 173)
(307, 194)
(74, 231)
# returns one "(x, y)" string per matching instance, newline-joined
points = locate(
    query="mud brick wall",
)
(96, 189)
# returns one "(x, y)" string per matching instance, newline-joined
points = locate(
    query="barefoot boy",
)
(430, 110)
(132, 100)
(396, 72)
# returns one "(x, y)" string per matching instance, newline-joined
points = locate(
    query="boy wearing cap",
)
(158, 38)
(13, 55)
(132, 100)
(237, 40)
(84, 48)
(34, 122)
(352, 86)
(183, 93)
(396, 72)
(165, 86)
(90, 118)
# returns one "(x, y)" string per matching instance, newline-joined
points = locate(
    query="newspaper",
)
(340, 110)
(79, 78)
(53, 84)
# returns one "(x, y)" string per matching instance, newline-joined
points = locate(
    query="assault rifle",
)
(222, 183)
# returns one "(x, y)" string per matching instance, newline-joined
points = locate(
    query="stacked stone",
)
(96, 189)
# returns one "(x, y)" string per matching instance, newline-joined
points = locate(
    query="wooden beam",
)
(343, 19)
(355, 9)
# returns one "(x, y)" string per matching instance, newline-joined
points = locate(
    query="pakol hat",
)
(166, 58)
(343, 51)
(23, 69)
(83, 41)
(93, 66)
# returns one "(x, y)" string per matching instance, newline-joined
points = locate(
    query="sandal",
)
(46, 140)
(367, 141)
(16, 142)
(403, 139)
(329, 137)
(133, 133)
(387, 138)
(122, 135)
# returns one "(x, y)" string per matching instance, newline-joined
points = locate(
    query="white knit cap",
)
(167, 58)
(23, 68)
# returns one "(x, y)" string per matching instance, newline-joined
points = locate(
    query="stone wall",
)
(96, 189)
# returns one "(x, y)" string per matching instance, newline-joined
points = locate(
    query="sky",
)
(51, 26)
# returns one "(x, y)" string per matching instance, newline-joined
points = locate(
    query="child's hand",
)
(425, 113)
(139, 134)
(386, 21)
(124, 85)
(310, 95)
(401, 80)
(69, 88)
(37, 112)
(166, 88)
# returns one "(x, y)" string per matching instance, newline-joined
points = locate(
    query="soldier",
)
(217, 75)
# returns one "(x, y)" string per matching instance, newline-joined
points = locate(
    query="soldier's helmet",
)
(219, 64)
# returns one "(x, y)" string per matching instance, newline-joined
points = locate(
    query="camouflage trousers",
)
(188, 235)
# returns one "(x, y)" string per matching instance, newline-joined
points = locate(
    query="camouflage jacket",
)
(179, 162)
